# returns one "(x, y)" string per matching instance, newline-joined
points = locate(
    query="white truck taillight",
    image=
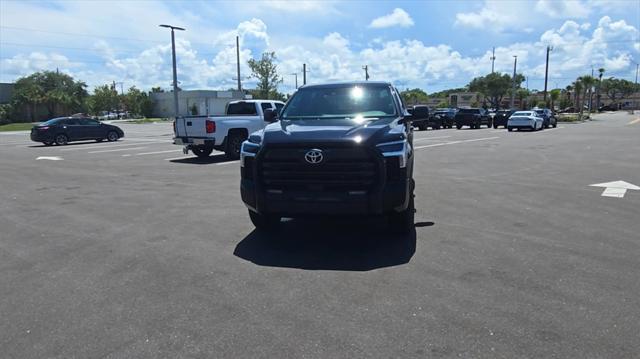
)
(210, 126)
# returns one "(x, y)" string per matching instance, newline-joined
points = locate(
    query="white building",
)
(197, 102)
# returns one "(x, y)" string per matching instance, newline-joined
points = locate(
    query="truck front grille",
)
(347, 169)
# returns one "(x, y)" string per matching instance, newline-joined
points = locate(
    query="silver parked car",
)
(525, 119)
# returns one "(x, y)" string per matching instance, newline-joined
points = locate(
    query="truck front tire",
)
(403, 222)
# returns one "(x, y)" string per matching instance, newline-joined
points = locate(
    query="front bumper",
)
(41, 136)
(296, 203)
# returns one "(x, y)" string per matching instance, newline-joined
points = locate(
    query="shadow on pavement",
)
(203, 161)
(348, 245)
(71, 144)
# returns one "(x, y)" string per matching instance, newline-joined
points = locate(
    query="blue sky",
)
(429, 44)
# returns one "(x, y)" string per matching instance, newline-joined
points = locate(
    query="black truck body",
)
(422, 118)
(472, 117)
(329, 156)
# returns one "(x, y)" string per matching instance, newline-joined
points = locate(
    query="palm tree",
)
(600, 74)
(587, 83)
(569, 88)
(577, 87)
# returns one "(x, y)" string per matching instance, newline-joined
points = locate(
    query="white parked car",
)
(203, 134)
(525, 119)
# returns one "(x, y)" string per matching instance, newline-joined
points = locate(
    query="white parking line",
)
(104, 145)
(154, 153)
(226, 163)
(178, 158)
(117, 150)
(429, 138)
(456, 142)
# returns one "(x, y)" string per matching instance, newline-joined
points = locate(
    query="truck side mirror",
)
(270, 115)
(406, 119)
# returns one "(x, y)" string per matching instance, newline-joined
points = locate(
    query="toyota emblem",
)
(314, 156)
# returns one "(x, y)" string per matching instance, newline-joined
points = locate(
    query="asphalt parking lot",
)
(132, 249)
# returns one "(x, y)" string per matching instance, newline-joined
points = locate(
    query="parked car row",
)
(474, 118)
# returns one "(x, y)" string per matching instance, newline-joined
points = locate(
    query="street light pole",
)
(296, 75)
(175, 74)
(513, 89)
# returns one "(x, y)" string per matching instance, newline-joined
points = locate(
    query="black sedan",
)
(501, 118)
(63, 130)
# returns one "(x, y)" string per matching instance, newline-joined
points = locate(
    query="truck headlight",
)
(249, 149)
(400, 149)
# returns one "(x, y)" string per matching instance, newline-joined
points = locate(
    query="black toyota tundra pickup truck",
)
(472, 117)
(336, 149)
(422, 118)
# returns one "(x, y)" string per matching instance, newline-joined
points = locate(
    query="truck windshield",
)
(340, 102)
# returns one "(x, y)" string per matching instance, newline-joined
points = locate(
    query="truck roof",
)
(349, 83)
(255, 101)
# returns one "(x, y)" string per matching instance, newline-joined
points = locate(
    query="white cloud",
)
(499, 16)
(496, 16)
(398, 17)
(300, 6)
(566, 9)
(145, 60)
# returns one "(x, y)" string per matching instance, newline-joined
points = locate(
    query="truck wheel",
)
(234, 144)
(202, 151)
(264, 222)
(403, 222)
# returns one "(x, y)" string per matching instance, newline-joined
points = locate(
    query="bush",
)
(6, 113)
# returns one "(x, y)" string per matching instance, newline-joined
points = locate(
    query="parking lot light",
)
(175, 75)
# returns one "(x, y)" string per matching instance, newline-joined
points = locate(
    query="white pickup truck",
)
(203, 134)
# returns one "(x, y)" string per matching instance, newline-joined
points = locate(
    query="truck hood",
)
(331, 131)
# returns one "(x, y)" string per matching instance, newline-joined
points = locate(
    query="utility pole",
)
(296, 75)
(513, 89)
(238, 61)
(121, 88)
(546, 73)
(175, 74)
(493, 59)
(366, 72)
(637, 64)
(304, 74)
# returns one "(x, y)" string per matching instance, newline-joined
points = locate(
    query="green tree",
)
(442, 104)
(522, 95)
(156, 89)
(554, 95)
(618, 89)
(104, 98)
(414, 96)
(599, 86)
(494, 86)
(138, 102)
(58, 92)
(446, 93)
(587, 82)
(577, 88)
(266, 71)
